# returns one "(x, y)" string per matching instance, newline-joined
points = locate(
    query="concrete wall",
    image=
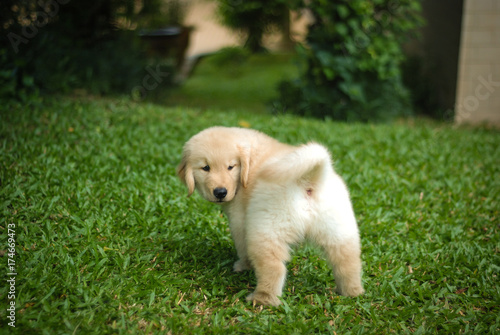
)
(478, 87)
(208, 34)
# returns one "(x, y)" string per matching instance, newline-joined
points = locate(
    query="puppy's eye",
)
(206, 168)
(231, 167)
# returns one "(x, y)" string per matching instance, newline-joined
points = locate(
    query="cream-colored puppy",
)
(275, 195)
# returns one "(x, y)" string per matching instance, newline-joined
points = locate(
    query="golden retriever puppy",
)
(274, 196)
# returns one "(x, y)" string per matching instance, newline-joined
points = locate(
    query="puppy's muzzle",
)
(220, 193)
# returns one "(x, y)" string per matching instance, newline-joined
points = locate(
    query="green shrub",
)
(109, 67)
(63, 46)
(352, 59)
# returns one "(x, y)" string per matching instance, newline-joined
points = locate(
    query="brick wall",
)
(478, 87)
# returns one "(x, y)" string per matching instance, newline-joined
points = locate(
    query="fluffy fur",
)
(275, 195)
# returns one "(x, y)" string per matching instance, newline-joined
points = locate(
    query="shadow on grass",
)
(205, 261)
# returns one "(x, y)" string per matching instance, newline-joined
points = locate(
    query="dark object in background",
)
(167, 42)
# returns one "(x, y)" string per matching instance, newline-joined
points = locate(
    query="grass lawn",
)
(229, 80)
(107, 242)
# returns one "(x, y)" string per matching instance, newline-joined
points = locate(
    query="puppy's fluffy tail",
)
(307, 162)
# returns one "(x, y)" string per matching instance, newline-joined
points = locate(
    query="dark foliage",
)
(63, 46)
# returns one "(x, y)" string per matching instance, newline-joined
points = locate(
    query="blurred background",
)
(359, 60)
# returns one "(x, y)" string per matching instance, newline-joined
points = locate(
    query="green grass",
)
(108, 243)
(229, 80)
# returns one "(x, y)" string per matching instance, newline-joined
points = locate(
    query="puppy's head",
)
(215, 163)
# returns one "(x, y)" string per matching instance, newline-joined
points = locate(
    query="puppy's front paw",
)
(241, 265)
(262, 298)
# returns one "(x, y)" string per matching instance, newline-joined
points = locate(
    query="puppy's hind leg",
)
(268, 259)
(345, 259)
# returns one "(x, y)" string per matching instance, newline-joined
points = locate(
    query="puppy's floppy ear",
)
(245, 152)
(185, 172)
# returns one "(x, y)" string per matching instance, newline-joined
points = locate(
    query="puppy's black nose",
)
(220, 192)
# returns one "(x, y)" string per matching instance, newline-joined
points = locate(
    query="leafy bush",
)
(352, 59)
(63, 46)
